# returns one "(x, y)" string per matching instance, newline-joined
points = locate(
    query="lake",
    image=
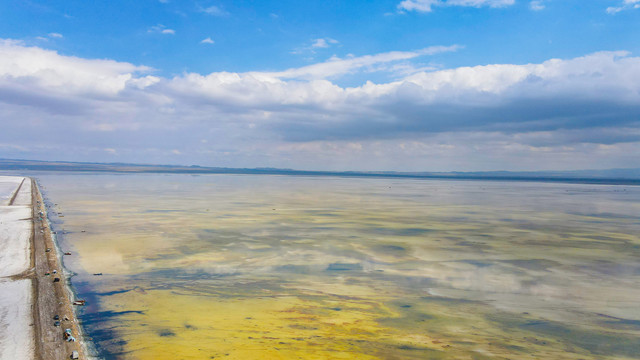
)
(294, 267)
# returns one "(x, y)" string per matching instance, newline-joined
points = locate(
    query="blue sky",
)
(274, 35)
(364, 85)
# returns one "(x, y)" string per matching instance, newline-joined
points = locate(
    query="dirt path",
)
(51, 298)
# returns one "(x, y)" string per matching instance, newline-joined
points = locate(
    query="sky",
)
(398, 85)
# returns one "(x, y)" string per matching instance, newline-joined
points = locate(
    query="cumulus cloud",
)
(36, 69)
(55, 35)
(566, 112)
(626, 4)
(207, 41)
(426, 5)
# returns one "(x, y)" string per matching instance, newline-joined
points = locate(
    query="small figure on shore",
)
(67, 335)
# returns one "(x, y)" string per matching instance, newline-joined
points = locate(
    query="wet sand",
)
(51, 298)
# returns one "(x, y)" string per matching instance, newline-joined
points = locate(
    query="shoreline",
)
(51, 298)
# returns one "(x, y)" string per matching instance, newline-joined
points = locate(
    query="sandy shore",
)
(29, 297)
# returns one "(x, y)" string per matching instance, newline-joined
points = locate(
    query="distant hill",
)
(610, 176)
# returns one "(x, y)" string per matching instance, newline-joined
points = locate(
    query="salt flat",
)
(16, 299)
(15, 232)
(16, 334)
(8, 185)
(23, 197)
(15, 225)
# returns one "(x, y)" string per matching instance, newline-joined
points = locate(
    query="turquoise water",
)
(240, 266)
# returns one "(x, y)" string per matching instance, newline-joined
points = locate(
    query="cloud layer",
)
(581, 112)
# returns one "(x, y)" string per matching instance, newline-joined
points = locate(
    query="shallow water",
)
(278, 267)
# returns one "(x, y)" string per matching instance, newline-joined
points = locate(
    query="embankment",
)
(53, 312)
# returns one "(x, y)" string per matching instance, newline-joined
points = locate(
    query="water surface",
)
(285, 267)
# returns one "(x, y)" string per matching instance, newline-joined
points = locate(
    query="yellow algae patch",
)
(189, 326)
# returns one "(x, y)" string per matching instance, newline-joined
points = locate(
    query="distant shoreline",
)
(596, 177)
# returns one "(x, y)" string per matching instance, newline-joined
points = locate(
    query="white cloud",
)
(626, 4)
(324, 43)
(315, 44)
(49, 36)
(214, 11)
(161, 29)
(610, 75)
(207, 41)
(337, 66)
(426, 5)
(297, 118)
(536, 5)
(38, 70)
